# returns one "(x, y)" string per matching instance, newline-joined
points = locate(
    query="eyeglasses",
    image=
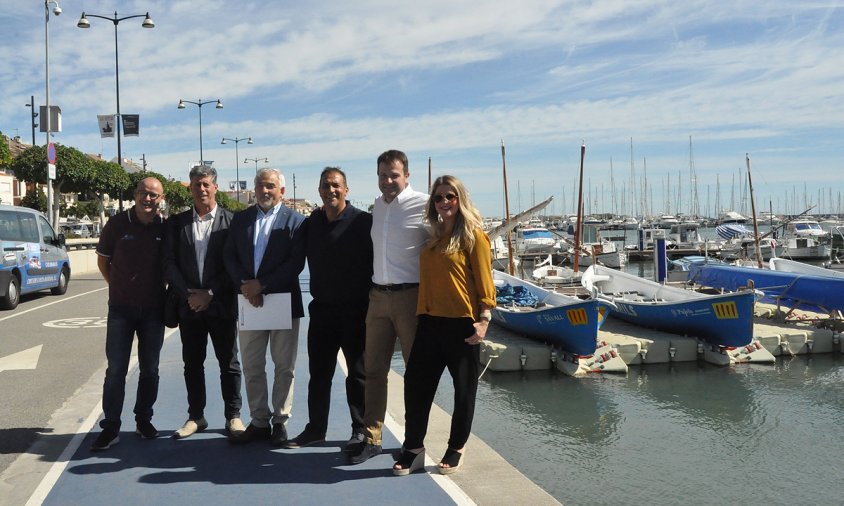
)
(151, 195)
(447, 197)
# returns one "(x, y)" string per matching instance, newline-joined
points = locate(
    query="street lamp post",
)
(34, 115)
(199, 104)
(236, 141)
(147, 23)
(56, 11)
(256, 160)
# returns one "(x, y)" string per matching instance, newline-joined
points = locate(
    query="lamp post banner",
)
(131, 125)
(106, 122)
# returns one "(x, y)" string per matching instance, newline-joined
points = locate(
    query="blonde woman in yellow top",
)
(456, 292)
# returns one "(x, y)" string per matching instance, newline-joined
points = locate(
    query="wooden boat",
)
(801, 291)
(546, 272)
(720, 320)
(786, 265)
(563, 321)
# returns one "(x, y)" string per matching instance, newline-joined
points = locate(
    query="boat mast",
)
(753, 211)
(577, 228)
(511, 266)
(429, 175)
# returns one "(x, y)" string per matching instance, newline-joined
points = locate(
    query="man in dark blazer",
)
(194, 268)
(264, 254)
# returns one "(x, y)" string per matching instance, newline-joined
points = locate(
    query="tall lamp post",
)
(199, 105)
(56, 11)
(256, 160)
(33, 116)
(147, 23)
(236, 141)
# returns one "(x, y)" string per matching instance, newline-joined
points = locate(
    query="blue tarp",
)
(509, 295)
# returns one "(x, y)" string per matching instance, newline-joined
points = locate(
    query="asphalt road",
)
(70, 329)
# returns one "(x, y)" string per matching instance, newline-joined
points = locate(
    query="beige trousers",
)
(390, 314)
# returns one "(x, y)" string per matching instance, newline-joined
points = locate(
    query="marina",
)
(662, 422)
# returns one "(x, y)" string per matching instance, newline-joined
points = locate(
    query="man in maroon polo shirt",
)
(129, 260)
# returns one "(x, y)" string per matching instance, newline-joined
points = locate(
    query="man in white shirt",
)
(398, 235)
(194, 269)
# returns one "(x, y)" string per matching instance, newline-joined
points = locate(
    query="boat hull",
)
(793, 289)
(723, 320)
(720, 319)
(568, 323)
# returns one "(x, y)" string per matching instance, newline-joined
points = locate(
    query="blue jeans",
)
(123, 323)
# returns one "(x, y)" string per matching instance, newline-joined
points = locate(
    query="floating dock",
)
(622, 344)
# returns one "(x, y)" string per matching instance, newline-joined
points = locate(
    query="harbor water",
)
(668, 434)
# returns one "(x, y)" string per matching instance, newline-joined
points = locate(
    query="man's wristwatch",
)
(486, 315)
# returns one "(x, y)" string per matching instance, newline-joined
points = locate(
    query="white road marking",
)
(49, 481)
(64, 299)
(22, 360)
(81, 322)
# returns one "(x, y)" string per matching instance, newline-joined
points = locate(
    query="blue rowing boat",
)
(792, 289)
(566, 322)
(720, 319)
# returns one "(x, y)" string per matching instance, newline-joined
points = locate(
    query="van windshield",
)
(17, 226)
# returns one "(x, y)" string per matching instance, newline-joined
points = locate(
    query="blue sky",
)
(337, 83)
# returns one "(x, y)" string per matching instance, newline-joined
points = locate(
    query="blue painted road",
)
(207, 469)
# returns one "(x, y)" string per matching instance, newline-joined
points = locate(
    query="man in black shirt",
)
(128, 256)
(339, 252)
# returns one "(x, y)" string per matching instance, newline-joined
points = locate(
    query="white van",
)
(34, 257)
(81, 230)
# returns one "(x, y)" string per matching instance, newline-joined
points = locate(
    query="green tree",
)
(109, 178)
(5, 153)
(35, 200)
(176, 195)
(75, 172)
(229, 203)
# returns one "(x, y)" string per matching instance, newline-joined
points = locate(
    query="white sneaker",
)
(235, 427)
(190, 428)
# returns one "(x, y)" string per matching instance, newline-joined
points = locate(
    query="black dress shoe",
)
(306, 438)
(364, 452)
(279, 437)
(252, 433)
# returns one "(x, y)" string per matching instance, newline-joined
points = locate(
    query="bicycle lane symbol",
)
(78, 323)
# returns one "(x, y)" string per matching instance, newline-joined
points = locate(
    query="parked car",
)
(34, 257)
(80, 230)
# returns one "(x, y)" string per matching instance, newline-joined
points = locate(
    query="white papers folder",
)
(275, 314)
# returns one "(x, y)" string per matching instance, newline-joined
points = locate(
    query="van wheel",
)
(61, 288)
(13, 294)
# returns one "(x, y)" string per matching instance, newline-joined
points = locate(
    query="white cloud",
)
(338, 82)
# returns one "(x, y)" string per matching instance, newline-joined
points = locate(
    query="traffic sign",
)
(51, 171)
(51, 153)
